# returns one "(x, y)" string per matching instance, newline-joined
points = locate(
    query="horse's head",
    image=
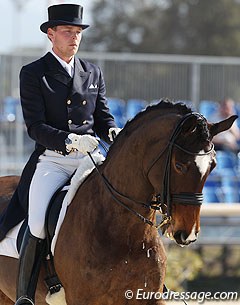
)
(178, 171)
(166, 153)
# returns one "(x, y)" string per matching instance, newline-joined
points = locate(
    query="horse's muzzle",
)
(182, 238)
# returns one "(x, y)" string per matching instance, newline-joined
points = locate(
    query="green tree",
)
(198, 27)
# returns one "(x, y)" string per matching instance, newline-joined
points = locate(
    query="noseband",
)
(163, 201)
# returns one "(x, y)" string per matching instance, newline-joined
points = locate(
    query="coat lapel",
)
(55, 70)
(80, 77)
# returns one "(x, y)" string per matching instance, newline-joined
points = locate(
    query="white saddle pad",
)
(8, 246)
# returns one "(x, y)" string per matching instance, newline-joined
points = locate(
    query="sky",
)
(20, 21)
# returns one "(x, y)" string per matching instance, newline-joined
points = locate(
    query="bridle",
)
(166, 198)
(162, 202)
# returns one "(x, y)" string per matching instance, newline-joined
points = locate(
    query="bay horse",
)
(109, 241)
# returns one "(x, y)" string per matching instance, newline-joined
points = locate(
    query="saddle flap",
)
(51, 219)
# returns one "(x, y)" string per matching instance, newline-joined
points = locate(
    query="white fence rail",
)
(221, 210)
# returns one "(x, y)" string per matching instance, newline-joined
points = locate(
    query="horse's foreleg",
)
(4, 300)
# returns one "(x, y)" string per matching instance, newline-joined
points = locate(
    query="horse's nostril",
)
(180, 237)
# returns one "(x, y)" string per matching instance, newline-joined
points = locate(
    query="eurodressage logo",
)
(186, 296)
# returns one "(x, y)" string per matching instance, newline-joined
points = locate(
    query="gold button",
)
(69, 121)
(84, 122)
(69, 102)
(84, 102)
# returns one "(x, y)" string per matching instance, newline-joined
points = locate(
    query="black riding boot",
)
(31, 255)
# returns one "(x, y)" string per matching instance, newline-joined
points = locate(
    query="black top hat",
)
(64, 14)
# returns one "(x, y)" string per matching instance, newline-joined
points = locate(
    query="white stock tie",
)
(69, 70)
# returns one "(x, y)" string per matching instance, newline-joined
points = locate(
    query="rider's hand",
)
(113, 132)
(84, 143)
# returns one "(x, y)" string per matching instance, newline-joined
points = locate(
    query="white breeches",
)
(52, 171)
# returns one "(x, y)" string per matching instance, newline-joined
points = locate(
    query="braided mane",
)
(163, 105)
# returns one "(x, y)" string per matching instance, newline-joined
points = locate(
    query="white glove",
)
(84, 144)
(113, 132)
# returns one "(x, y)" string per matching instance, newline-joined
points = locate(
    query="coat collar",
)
(80, 76)
(56, 70)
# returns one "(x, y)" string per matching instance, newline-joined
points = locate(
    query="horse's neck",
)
(96, 212)
(124, 170)
(129, 162)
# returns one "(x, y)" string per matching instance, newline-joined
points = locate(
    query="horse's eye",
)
(180, 168)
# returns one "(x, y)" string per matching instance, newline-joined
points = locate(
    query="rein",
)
(114, 192)
(161, 201)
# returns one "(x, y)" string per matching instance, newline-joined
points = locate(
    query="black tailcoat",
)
(55, 105)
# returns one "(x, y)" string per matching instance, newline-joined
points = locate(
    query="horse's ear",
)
(222, 126)
(190, 126)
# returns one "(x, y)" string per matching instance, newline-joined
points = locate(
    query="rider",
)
(64, 107)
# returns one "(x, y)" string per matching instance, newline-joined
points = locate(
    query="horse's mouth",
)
(180, 237)
(183, 239)
(167, 231)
